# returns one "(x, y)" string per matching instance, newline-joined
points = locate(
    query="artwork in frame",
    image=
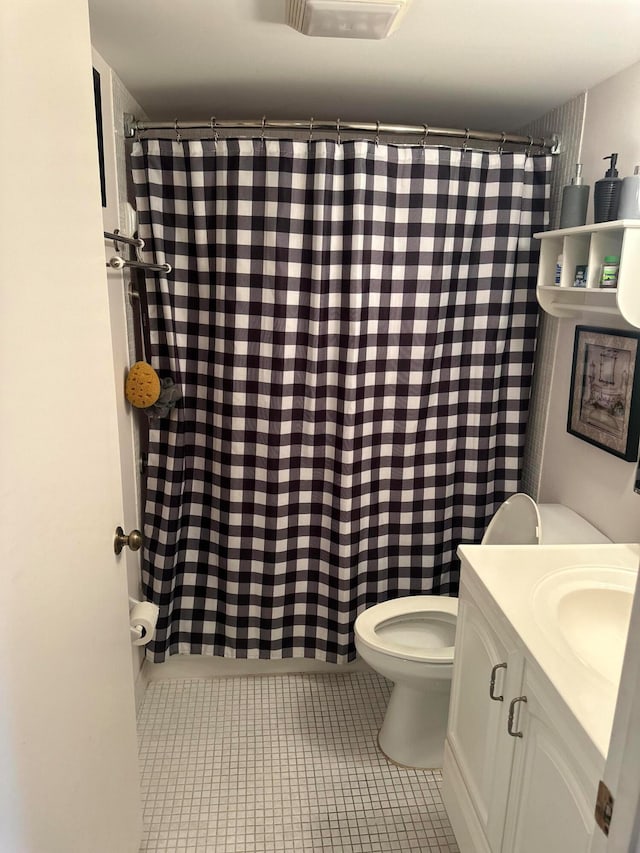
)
(604, 402)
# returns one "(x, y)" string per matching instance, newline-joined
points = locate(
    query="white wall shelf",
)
(589, 245)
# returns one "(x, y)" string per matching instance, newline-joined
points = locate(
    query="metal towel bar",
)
(118, 263)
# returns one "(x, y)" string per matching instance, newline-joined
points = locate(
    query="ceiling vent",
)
(351, 19)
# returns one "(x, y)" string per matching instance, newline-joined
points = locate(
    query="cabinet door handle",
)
(492, 683)
(511, 713)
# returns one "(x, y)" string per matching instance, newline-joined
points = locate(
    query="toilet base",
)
(415, 725)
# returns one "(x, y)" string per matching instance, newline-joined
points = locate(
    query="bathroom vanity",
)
(539, 647)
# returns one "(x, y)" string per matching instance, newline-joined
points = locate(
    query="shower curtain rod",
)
(133, 126)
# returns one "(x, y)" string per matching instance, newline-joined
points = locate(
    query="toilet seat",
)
(412, 628)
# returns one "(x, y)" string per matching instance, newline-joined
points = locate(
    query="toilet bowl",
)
(411, 640)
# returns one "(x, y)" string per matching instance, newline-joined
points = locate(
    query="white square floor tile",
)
(280, 763)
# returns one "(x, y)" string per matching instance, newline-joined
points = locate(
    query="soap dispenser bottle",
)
(629, 207)
(575, 199)
(606, 193)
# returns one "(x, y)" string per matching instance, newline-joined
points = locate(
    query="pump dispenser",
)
(606, 193)
(575, 200)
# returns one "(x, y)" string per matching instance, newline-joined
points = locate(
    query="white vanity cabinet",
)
(487, 670)
(520, 785)
(552, 793)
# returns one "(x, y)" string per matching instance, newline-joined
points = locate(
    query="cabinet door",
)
(552, 794)
(477, 723)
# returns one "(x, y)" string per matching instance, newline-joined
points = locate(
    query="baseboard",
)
(462, 815)
(206, 666)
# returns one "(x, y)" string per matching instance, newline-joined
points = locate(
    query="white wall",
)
(68, 766)
(591, 481)
(612, 123)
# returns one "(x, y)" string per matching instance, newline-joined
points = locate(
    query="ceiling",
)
(490, 65)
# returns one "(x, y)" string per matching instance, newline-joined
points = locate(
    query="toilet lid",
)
(516, 522)
(416, 627)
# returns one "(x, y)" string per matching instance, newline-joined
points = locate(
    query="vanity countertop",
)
(545, 591)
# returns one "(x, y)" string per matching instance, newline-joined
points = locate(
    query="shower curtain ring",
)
(529, 147)
(377, 139)
(311, 129)
(338, 136)
(177, 130)
(264, 121)
(465, 144)
(214, 129)
(426, 133)
(502, 141)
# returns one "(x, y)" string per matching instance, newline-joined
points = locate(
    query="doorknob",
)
(132, 540)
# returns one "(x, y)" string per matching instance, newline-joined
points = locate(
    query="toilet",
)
(410, 640)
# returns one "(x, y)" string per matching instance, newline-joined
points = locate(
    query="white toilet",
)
(410, 640)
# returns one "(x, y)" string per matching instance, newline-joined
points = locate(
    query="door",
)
(117, 214)
(67, 722)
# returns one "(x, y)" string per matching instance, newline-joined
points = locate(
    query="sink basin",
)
(586, 609)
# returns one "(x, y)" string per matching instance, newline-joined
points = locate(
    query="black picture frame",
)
(604, 398)
(97, 97)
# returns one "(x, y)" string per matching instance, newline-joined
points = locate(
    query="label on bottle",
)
(580, 279)
(609, 275)
(558, 270)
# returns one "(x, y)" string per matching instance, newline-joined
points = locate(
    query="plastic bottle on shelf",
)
(606, 193)
(558, 274)
(609, 272)
(580, 278)
(629, 207)
(575, 201)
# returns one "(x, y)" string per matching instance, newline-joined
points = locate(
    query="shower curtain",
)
(352, 327)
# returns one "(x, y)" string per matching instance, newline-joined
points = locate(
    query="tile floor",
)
(279, 763)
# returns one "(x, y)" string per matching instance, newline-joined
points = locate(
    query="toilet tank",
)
(521, 521)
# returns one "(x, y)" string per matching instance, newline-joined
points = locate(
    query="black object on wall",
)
(97, 96)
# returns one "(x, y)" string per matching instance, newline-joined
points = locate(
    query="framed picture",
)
(604, 404)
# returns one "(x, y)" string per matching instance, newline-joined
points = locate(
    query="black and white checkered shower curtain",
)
(352, 327)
